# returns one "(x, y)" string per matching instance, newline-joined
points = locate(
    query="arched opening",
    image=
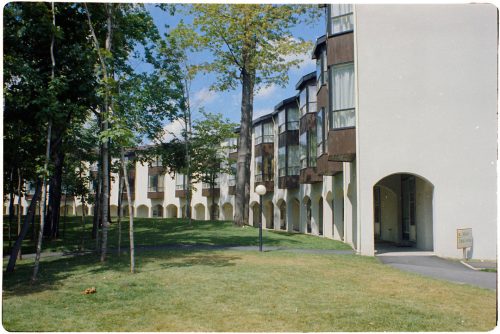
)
(214, 209)
(282, 208)
(171, 211)
(183, 211)
(157, 211)
(320, 216)
(227, 208)
(199, 212)
(307, 207)
(269, 214)
(125, 211)
(295, 215)
(79, 210)
(113, 210)
(142, 211)
(403, 212)
(66, 210)
(254, 206)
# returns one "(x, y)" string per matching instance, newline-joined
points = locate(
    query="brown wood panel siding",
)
(267, 149)
(340, 49)
(309, 175)
(288, 182)
(232, 190)
(180, 193)
(322, 98)
(155, 170)
(327, 167)
(342, 144)
(156, 195)
(308, 121)
(207, 193)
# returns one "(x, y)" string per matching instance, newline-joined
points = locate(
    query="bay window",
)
(312, 147)
(342, 96)
(268, 167)
(281, 121)
(282, 161)
(293, 160)
(303, 150)
(180, 182)
(155, 183)
(307, 99)
(258, 168)
(321, 68)
(341, 18)
(292, 114)
(320, 131)
(258, 134)
(268, 135)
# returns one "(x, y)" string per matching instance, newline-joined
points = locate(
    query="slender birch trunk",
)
(120, 199)
(130, 214)
(47, 157)
(65, 212)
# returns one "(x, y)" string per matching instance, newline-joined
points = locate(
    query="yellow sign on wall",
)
(464, 238)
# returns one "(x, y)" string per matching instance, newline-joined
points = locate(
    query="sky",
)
(229, 103)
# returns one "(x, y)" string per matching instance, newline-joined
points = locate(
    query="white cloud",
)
(266, 92)
(261, 112)
(173, 130)
(307, 65)
(202, 97)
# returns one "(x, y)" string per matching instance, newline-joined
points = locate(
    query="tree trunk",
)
(212, 193)
(130, 214)
(11, 205)
(242, 193)
(120, 199)
(105, 146)
(55, 191)
(82, 245)
(47, 157)
(19, 212)
(97, 207)
(24, 230)
(43, 201)
(66, 212)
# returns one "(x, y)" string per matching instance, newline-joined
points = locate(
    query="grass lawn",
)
(150, 231)
(238, 291)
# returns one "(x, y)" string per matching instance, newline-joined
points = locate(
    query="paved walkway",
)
(427, 264)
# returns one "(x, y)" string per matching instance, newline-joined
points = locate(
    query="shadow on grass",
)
(53, 272)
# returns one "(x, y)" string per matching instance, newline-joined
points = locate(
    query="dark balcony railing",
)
(293, 170)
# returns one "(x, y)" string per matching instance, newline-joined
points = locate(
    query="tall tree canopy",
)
(252, 46)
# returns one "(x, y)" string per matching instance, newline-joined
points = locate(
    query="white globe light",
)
(260, 189)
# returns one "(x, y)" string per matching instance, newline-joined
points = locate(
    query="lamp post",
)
(261, 191)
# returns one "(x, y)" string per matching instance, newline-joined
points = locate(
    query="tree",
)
(251, 45)
(210, 157)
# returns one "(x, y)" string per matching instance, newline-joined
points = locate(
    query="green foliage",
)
(242, 37)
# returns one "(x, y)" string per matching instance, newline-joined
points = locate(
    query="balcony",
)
(310, 175)
(207, 192)
(156, 192)
(328, 167)
(264, 139)
(342, 144)
(265, 179)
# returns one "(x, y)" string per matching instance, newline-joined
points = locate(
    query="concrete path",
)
(429, 265)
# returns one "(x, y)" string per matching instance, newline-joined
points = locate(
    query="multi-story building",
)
(392, 139)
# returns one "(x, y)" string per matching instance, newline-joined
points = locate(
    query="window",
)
(303, 150)
(268, 167)
(180, 182)
(303, 101)
(320, 131)
(258, 134)
(312, 147)
(156, 162)
(155, 183)
(233, 145)
(292, 118)
(308, 99)
(293, 160)
(341, 18)
(281, 121)
(206, 185)
(258, 168)
(268, 136)
(282, 161)
(231, 180)
(321, 68)
(342, 96)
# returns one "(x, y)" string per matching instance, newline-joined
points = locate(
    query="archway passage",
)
(157, 211)
(171, 211)
(227, 208)
(142, 211)
(255, 213)
(269, 214)
(295, 216)
(320, 216)
(113, 210)
(282, 208)
(403, 212)
(307, 205)
(214, 212)
(199, 212)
